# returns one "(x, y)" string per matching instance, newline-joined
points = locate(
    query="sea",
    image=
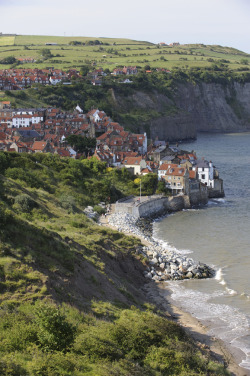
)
(217, 234)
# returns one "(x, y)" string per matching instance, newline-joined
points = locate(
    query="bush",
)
(100, 210)
(67, 202)
(25, 203)
(54, 331)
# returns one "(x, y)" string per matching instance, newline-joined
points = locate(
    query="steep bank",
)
(187, 109)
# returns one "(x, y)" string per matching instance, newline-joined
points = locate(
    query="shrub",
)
(100, 210)
(54, 331)
(67, 202)
(25, 202)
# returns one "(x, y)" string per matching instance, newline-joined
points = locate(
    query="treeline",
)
(95, 42)
(89, 179)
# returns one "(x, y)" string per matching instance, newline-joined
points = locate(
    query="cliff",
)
(188, 109)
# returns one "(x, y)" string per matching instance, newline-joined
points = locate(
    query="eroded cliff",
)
(188, 109)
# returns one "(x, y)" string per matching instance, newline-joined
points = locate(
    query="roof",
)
(176, 171)
(39, 145)
(132, 161)
(166, 166)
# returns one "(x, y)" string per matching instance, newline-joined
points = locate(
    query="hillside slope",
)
(71, 300)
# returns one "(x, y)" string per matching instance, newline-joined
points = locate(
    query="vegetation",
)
(70, 301)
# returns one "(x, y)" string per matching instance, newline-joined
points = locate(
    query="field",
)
(7, 41)
(117, 52)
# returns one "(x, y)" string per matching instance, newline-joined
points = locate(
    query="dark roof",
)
(28, 133)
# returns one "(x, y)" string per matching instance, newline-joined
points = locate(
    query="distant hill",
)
(112, 52)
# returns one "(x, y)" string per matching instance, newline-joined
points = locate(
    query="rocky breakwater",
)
(163, 264)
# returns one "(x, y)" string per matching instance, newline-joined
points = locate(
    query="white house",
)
(205, 171)
(23, 120)
(55, 80)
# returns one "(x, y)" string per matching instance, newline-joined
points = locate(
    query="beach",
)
(160, 294)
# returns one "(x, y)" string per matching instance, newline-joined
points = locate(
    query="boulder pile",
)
(163, 264)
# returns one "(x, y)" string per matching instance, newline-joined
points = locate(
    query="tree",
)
(84, 70)
(244, 61)
(9, 60)
(81, 144)
(46, 53)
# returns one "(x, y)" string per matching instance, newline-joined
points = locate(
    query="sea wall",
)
(159, 206)
(198, 197)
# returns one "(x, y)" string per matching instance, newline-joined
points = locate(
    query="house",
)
(177, 180)
(54, 80)
(42, 147)
(164, 167)
(19, 147)
(27, 134)
(205, 172)
(134, 164)
(23, 120)
(5, 104)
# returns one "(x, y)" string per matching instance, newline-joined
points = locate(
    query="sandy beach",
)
(160, 295)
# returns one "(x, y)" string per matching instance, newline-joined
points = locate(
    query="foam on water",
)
(223, 321)
(166, 245)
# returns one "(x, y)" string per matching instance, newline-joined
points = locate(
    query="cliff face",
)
(192, 108)
(216, 108)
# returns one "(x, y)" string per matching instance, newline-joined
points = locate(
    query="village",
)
(23, 78)
(46, 130)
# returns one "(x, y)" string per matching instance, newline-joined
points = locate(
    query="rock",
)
(169, 265)
(154, 261)
(155, 278)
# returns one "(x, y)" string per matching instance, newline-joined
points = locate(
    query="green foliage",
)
(54, 331)
(25, 203)
(9, 368)
(244, 61)
(100, 210)
(81, 144)
(68, 203)
(46, 53)
(8, 60)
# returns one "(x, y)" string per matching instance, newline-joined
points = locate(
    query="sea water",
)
(217, 234)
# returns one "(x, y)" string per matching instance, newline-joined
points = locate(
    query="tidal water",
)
(219, 235)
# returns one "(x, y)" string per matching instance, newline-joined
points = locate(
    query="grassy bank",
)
(71, 300)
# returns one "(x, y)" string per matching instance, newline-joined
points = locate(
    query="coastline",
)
(160, 294)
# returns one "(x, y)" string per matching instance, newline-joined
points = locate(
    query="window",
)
(203, 176)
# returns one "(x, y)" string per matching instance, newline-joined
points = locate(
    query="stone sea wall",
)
(153, 207)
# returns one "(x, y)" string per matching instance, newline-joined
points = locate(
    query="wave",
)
(224, 322)
(166, 245)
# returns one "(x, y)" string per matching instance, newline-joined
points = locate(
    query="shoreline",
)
(160, 294)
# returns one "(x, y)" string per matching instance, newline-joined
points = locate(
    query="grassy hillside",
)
(114, 52)
(70, 290)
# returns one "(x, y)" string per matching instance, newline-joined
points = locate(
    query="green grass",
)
(124, 52)
(7, 41)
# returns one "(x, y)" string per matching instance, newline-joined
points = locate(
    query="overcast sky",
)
(223, 22)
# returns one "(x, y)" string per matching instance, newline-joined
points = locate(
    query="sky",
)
(221, 22)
